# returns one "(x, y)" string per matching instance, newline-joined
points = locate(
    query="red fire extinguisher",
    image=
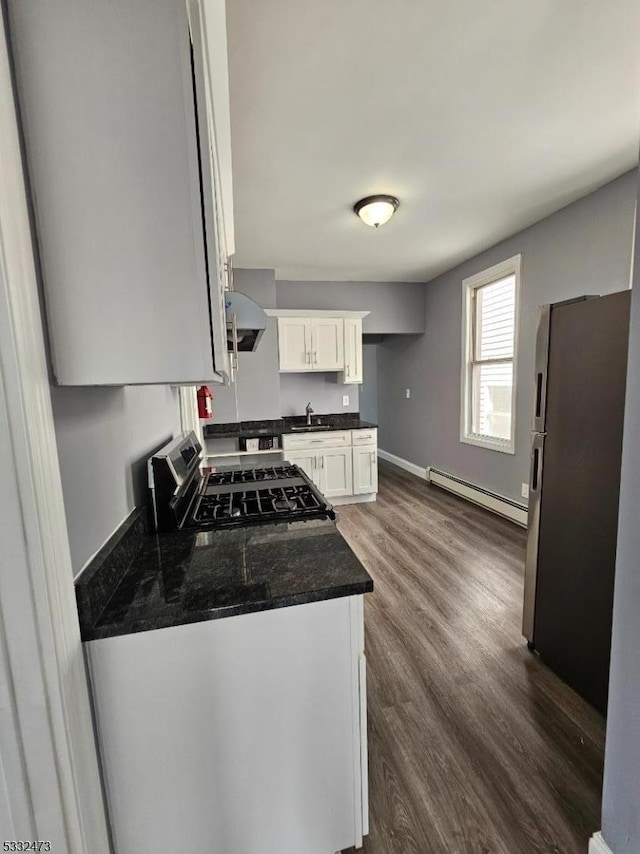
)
(205, 402)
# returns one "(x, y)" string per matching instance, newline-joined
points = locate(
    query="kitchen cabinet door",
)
(264, 709)
(217, 252)
(213, 13)
(352, 350)
(365, 436)
(112, 104)
(365, 469)
(316, 441)
(308, 462)
(336, 472)
(327, 351)
(294, 343)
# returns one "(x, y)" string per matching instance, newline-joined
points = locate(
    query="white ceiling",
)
(482, 116)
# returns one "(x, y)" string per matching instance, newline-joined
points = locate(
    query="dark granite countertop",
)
(244, 429)
(278, 426)
(191, 576)
(343, 421)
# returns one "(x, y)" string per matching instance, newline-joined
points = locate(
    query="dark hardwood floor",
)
(474, 745)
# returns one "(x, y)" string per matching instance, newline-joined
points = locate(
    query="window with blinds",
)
(489, 357)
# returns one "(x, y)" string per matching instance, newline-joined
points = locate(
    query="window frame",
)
(511, 266)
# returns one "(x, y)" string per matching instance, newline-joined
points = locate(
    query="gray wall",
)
(584, 248)
(621, 795)
(396, 307)
(104, 436)
(262, 392)
(402, 421)
(322, 390)
(256, 392)
(369, 388)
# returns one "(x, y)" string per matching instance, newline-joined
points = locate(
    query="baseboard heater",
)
(478, 495)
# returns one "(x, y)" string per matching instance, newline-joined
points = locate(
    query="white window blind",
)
(494, 326)
(491, 310)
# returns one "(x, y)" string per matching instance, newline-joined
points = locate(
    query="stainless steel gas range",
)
(183, 496)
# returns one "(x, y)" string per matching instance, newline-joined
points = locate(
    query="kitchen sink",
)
(310, 428)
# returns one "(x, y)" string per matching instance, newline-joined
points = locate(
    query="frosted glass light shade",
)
(376, 210)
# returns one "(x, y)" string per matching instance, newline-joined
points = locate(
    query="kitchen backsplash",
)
(322, 390)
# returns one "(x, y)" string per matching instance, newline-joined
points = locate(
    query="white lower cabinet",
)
(341, 463)
(244, 735)
(308, 462)
(331, 469)
(336, 472)
(365, 469)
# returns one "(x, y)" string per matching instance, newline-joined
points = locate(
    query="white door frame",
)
(49, 781)
(189, 420)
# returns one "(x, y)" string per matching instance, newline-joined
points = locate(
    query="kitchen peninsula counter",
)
(191, 576)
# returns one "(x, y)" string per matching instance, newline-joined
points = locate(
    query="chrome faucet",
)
(308, 410)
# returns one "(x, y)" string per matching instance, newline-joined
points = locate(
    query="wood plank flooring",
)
(474, 745)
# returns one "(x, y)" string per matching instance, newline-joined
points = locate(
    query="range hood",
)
(245, 319)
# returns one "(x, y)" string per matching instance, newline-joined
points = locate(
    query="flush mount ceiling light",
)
(376, 210)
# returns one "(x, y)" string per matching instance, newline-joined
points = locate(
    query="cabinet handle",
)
(373, 457)
(308, 359)
(228, 266)
(315, 357)
(347, 370)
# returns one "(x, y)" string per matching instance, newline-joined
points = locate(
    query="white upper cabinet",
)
(321, 341)
(215, 39)
(327, 343)
(211, 186)
(294, 344)
(352, 350)
(311, 344)
(123, 111)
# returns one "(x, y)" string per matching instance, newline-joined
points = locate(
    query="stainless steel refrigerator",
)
(576, 451)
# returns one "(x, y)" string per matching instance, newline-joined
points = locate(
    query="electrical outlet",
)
(525, 490)
(407, 393)
(345, 400)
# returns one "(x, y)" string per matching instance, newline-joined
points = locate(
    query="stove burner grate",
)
(257, 505)
(265, 473)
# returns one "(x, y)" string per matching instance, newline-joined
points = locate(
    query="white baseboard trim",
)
(478, 495)
(597, 845)
(354, 499)
(403, 464)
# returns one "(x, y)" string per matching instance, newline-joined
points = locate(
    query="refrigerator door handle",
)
(533, 534)
(535, 466)
(541, 367)
(539, 379)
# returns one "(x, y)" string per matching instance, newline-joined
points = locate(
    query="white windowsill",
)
(502, 445)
